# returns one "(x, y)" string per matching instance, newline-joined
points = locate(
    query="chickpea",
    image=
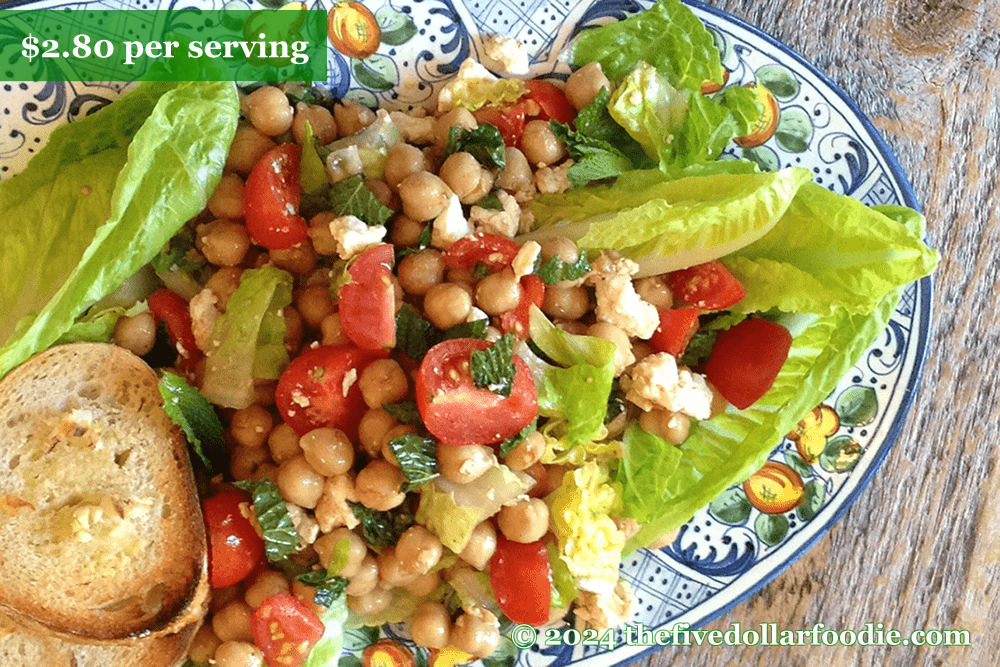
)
(327, 547)
(477, 632)
(371, 431)
(466, 177)
(540, 145)
(430, 625)
(332, 331)
(269, 111)
(247, 148)
(719, 403)
(383, 192)
(223, 283)
(265, 584)
(583, 85)
(498, 292)
(227, 200)
(478, 551)
(293, 328)
(204, 644)
(136, 333)
(221, 597)
(525, 520)
(419, 549)
(392, 570)
(457, 117)
(370, 603)
(300, 259)
(322, 122)
(313, 303)
(560, 246)
(223, 242)
(245, 461)
(447, 304)
(238, 654)
(352, 117)
(671, 426)
(623, 346)
(232, 622)
(377, 486)
(299, 483)
(383, 381)
(405, 231)
(402, 160)
(328, 450)
(365, 579)
(424, 584)
(251, 426)
(516, 175)
(526, 453)
(424, 195)
(323, 242)
(654, 290)
(421, 271)
(462, 465)
(566, 301)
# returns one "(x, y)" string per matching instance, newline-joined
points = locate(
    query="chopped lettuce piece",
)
(326, 652)
(371, 146)
(174, 162)
(649, 108)
(248, 339)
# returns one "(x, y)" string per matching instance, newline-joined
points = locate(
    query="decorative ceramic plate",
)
(751, 532)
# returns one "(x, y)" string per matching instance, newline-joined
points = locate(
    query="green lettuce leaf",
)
(174, 162)
(248, 340)
(326, 652)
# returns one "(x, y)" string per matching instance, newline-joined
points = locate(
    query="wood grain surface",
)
(920, 549)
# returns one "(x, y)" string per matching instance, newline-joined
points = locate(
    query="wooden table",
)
(920, 549)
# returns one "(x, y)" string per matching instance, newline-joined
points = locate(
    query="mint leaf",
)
(405, 412)
(352, 197)
(382, 529)
(593, 159)
(176, 255)
(187, 408)
(484, 143)
(555, 269)
(490, 202)
(414, 334)
(473, 329)
(280, 538)
(328, 587)
(415, 456)
(616, 402)
(493, 368)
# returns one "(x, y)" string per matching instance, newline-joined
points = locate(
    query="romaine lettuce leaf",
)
(326, 652)
(174, 162)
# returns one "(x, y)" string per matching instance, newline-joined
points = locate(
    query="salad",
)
(447, 366)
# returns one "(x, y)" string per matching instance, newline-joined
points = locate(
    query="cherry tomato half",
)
(171, 309)
(521, 578)
(517, 321)
(495, 252)
(746, 359)
(235, 548)
(320, 389)
(271, 199)
(368, 302)
(285, 629)
(509, 120)
(708, 286)
(675, 331)
(552, 101)
(456, 411)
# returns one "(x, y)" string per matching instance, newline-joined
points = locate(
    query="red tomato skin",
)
(552, 100)
(675, 330)
(494, 251)
(285, 629)
(456, 411)
(521, 579)
(508, 120)
(310, 393)
(746, 359)
(517, 321)
(235, 548)
(171, 309)
(708, 286)
(368, 302)
(271, 199)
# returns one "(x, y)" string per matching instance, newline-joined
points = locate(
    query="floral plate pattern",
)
(396, 54)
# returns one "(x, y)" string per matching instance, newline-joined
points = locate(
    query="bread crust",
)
(101, 534)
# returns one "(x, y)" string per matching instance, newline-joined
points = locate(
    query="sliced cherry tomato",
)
(285, 629)
(532, 294)
(708, 286)
(235, 548)
(172, 310)
(746, 359)
(320, 389)
(552, 101)
(521, 578)
(368, 302)
(271, 199)
(495, 252)
(509, 120)
(675, 331)
(458, 412)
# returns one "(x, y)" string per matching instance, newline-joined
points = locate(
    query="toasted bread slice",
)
(101, 533)
(19, 647)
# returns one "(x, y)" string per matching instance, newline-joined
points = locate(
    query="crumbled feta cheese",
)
(353, 236)
(203, 316)
(524, 261)
(450, 225)
(617, 301)
(505, 222)
(605, 610)
(469, 70)
(505, 55)
(417, 130)
(343, 163)
(476, 314)
(657, 381)
(553, 180)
